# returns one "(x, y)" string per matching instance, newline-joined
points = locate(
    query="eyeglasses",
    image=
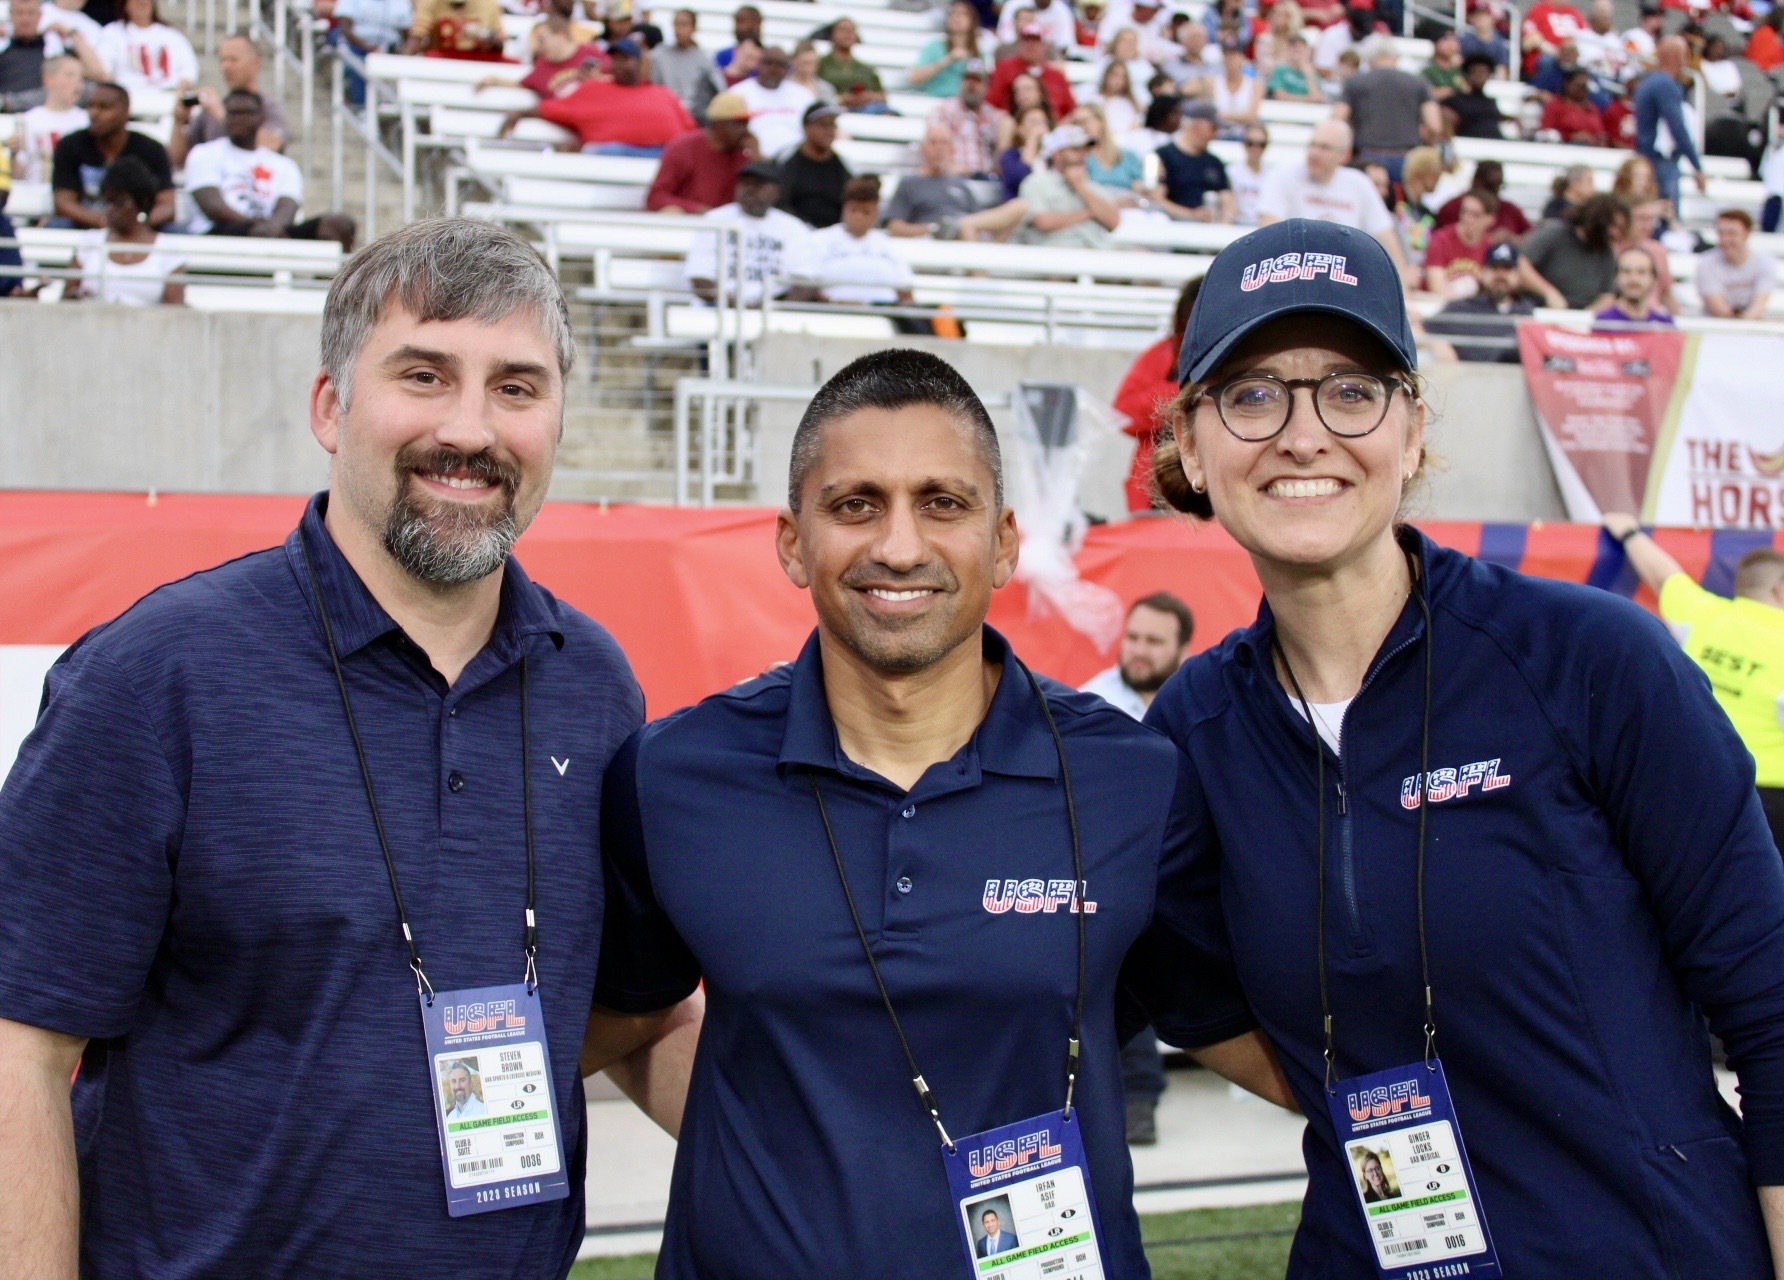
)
(1255, 407)
(1259, 143)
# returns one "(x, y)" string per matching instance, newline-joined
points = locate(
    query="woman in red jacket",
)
(1151, 384)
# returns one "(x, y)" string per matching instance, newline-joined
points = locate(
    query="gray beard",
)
(444, 547)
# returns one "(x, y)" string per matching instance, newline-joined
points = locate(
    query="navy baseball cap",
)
(1289, 267)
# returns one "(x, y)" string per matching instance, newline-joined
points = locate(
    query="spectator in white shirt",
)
(1247, 177)
(1053, 17)
(1323, 189)
(142, 52)
(1600, 47)
(244, 189)
(1154, 643)
(1733, 282)
(366, 27)
(123, 262)
(777, 105)
(854, 261)
(1641, 41)
(41, 128)
(773, 246)
(66, 17)
(1152, 22)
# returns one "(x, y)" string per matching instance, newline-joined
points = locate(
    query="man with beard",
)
(908, 871)
(1154, 643)
(277, 809)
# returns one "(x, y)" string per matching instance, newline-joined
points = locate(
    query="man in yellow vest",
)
(1739, 643)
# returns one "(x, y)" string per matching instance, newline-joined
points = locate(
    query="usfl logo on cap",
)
(1289, 267)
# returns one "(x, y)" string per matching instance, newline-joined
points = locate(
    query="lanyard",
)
(423, 987)
(1319, 773)
(1071, 813)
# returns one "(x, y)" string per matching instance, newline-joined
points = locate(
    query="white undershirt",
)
(1328, 718)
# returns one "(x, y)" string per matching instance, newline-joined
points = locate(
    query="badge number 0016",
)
(1024, 1199)
(491, 1068)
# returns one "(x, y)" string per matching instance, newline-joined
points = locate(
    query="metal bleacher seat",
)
(228, 273)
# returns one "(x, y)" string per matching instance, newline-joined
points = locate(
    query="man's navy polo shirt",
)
(194, 885)
(804, 1151)
(1188, 179)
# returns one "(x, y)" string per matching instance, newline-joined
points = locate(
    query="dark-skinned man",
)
(906, 810)
(698, 171)
(813, 176)
(242, 188)
(82, 158)
(771, 245)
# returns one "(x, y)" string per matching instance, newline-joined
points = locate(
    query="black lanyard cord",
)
(1319, 774)
(924, 1093)
(423, 987)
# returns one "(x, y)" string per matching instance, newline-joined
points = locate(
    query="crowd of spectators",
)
(1013, 149)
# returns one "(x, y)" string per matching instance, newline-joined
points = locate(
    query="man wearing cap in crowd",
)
(1492, 311)
(1033, 57)
(1189, 173)
(973, 123)
(772, 245)
(776, 104)
(624, 115)
(1065, 208)
(813, 176)
(699, 170)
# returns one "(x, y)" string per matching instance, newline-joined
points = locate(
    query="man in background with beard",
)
(1154, 644)
(272, 804)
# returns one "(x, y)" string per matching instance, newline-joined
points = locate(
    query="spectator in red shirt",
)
(1548, 26)
(1455, 254)
(624, 116)
(1508, 224)
(1030, 59)
(699, 170)
(1571, 114)
(1150, 385)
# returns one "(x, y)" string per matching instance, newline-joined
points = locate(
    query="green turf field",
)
(1204, 1244)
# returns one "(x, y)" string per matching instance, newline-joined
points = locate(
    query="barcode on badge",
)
(480, 1166)
(1405, 1246)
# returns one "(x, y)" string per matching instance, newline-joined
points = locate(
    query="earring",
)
(1197, 488)
(142, 217)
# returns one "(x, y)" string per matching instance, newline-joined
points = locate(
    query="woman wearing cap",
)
(1490, 857)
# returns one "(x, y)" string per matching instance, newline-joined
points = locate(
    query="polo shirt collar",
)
(1012, 740)
(358, 619)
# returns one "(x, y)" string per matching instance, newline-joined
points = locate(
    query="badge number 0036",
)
(490, 1073)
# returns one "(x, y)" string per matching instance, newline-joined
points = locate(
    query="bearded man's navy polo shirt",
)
(194, 885)
(804, 1150)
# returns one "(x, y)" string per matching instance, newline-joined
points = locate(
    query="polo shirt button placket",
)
(455, 782)
(904, 884)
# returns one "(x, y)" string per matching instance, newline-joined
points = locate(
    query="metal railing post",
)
(408, 123)
(306, 31)
(683, 402)
(280, 36)
(337, 168)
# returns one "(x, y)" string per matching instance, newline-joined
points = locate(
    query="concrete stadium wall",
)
(1488, 459)
(106, 397)
(101, 397)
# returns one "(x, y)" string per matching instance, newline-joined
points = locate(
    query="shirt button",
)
(455, 781)
(910, 811)
(904, 884)
(452, 711)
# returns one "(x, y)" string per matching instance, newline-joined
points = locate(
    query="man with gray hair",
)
(278, 808)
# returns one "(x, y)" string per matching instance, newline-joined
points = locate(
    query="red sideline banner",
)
(1682, 430)
(1601, 400)
(696, 597)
